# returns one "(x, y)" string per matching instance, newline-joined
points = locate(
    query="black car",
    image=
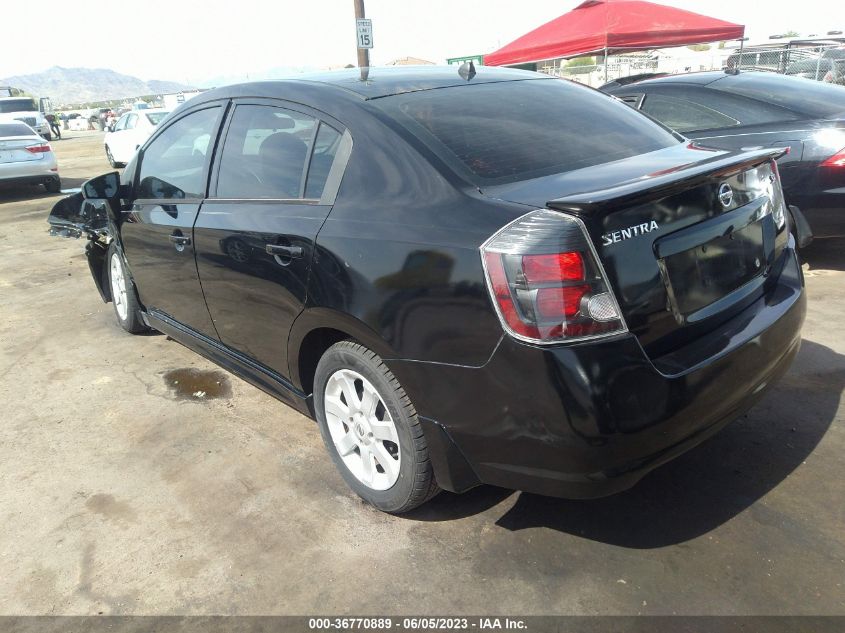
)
(502, 278)
(759, 109)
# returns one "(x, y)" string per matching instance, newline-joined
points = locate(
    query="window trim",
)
(224, 105)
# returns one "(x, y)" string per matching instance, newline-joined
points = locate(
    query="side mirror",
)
(105, 187)
(74, 215)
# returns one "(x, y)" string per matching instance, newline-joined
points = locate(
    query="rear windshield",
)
(515, 130)
(17, 105)
(15, 129)
(156, 117)
(808, 97)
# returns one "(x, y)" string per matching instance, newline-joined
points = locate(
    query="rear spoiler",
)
(664, 183)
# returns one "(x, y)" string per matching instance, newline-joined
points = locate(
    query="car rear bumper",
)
(29, 172)
(589, 420)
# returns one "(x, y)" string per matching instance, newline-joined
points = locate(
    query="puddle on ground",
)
(198, 384)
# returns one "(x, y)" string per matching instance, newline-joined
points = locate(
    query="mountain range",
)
(79, 85)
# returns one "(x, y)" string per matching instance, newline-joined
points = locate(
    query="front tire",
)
(371, 430)
(127, 308)
(111, 159)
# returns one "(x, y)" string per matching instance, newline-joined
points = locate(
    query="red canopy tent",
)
(613, 26)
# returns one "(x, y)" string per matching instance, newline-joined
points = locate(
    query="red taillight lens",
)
(545, 281)
(40, 148)
(504, 299)
(553, 268)
(837, 160)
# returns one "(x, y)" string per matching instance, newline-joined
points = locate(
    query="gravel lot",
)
(121, 493)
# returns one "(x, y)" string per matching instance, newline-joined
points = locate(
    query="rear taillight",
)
(546, 282)
(837, 160)
(764, 181)
(38, 148)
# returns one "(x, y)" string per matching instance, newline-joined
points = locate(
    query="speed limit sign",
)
(365, 32)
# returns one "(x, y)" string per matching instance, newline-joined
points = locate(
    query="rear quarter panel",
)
(397, 258)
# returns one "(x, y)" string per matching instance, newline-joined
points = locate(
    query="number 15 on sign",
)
(365, 32)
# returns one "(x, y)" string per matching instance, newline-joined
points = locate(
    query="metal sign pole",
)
(363, 53)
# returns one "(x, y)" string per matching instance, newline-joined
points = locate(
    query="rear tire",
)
(127, 308)
(53, 186)
(371, 430)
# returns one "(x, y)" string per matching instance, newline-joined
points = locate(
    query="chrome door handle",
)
(180, 240)
(294, 252)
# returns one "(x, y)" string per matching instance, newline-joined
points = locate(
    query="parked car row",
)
(496, 278)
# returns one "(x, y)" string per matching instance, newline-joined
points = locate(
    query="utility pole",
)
(363, 53)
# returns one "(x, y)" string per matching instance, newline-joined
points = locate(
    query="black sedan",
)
(465, 278)
(759, 109)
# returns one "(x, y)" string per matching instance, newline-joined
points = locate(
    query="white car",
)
(129, 133)
(26, 158)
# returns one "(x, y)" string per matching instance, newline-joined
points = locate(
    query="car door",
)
(271, 192)
(170, 184)
(124, 147)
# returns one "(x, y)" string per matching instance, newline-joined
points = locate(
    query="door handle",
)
(180, 240)
(294, 252)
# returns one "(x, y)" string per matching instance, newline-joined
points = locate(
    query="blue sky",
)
(200, 42)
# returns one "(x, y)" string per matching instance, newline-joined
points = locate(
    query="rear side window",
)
(265, 153)
(173, 165)
(155, 117)
(683, 116)
(508, 131)
(325, 149)
(811, 98)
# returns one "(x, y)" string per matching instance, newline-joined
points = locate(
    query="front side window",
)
(684, 116)
(131, 121)
(173, 165)
(121, 123)
(265, 152)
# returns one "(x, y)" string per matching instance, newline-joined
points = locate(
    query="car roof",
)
(385, 81)
(699, 78)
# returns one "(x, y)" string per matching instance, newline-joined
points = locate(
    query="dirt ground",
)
(122, 493)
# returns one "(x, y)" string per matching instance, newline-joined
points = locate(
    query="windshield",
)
(17, 105)
(811, 98)
(156, 117)
(503, 132)
(15, 129)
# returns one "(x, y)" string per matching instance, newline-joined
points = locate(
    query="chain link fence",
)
(820, 60)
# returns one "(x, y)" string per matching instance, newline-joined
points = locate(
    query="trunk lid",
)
(684, 243)
(13, 149)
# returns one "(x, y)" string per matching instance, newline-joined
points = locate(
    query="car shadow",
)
(826, 253)
(19, 193)
(699, 490)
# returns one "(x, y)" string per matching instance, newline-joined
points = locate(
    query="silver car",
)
(26, 158)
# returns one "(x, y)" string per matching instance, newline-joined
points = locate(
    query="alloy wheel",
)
(118, 287)
(362, 429)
